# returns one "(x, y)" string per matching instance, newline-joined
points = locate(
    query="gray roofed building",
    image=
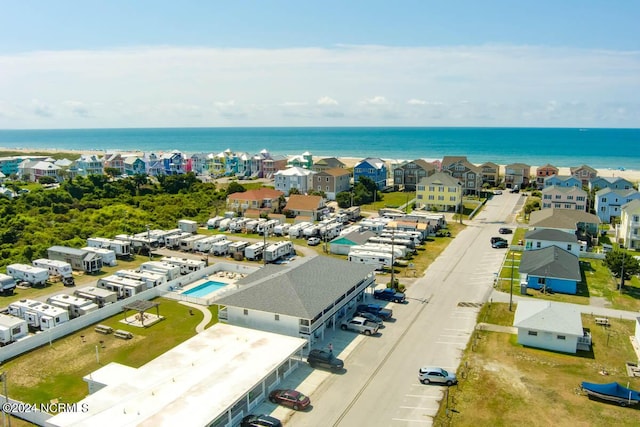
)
(551, 269)
(551, 234)
(565, 219)
(342, 244)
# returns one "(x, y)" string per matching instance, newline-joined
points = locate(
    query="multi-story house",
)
(332, 182)
(310, 207)
(326, 164)
(564, 198)
(294, 177)
(409, 174)
(114, 161)
(629, 229)
(545, 237)
(543, 172)
(134, 166)
(373, 168)
(517, 174)
(490, 174)
(33, 170)
(584, 173)
(608, 202)
(304, 160)
(612, 182)
(262, 200)
(562, 181)
(154, 165)
(174, 163)
(197, 163)
(89, 164)
(469, 175)
(272, 165)
(217, 164)
(439, 191)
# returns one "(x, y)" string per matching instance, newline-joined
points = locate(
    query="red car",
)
(291, 398)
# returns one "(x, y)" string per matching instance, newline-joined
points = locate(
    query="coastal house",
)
(562, 181)
(154, 165)
(89, 164)
(216, 163)
(197, 163)
(373, 168)
(550, 269)
(294, 177)
(550, 326)
(114, 161)
(440, 192)
(332, 182)
(10, 165)
(517, 174)
(273, 164)
(409, 174)
(584, 173)
(544, 171)
(174, 163)
(490, 174)
(608, 203)
(312, 207)
(326, 164)
(134, 165)
(612, 182)
(303, 300)
(264, 200)
(304, 161)
(564, 198)
(584, 225)
(469, 175)
(629, 229)
(33, 170)
(546, 237)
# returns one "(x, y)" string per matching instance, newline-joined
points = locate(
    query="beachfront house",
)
(469, 175)
(490, 174)
(174, 163)
(33, 170)
(440, 192)
(304, 161)
(629, 229)
(564, 198)
(373, 168)
(90, 164)
(332, 182)
(327, 163)
(264, 200)
(543, 172)
(134, 165)
(294, 177)
(273, 164)
(409, 174)
(312, 207)
(546, 237)
(517, 174)
(608, 203)
(550, 269)
(584, 173)
(114, 161)
(612, 182)
(550, 326)
(562, 181)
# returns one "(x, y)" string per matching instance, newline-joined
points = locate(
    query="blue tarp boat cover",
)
(612, 389)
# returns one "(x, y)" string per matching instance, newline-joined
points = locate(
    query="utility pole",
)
(511, 286)
(393, 239)
(264, 258)
(149, 241)
(622, 272)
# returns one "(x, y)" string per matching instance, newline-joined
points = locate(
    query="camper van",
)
(278, 250)
(98, 296)
(254, 252)
(34, 276)
(7, 284)
(12, 329)
(378, 259)
(75, 306)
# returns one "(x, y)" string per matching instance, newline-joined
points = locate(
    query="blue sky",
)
(84, 64)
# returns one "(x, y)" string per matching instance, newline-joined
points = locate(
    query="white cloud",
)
(376, 100)
(325, 100)
(416, 102)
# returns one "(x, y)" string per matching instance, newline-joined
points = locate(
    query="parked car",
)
(504, 230)
(291, 398)
(361, 325)
(497, 192)
(313, 241)
(252, 420)
(370, 317)
(432, 374)
(389, 294)
(324, 359)
(377, 309)
(500, 244)
(497, 239)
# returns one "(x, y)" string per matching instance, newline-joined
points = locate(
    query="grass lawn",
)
(505, 384)
(390, 200)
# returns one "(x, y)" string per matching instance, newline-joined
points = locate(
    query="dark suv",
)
(324, 359)
(259, 421)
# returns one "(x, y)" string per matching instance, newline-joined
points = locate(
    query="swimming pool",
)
(204, 289)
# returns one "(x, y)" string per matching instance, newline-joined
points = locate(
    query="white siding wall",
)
(548, 340)
(263, 321)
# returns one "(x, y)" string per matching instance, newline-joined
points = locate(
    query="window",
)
(452, 198)
(636, 218)
(432, 188)
(538, 245)
(547, 196)
(327, 179)
(569, 247)
(533, 333)
(562, 337)
(558, 197)
(246, 312)
(580, 198)
(431, 197)
(569, 197)
(440, 197)
(277, 316)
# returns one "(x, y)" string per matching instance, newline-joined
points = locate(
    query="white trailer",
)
(188, 243)
(238, 225)
(331, 231)
(163, 235)
(173, 241)
(224, 224)
(267, 227)
(171, 271)
(122, 248)
(312, 231)
(57, 268)
(204, 245)
(415, 238)
(281, 229)
(398, 251)
(372, 225)
(35, 276)
(99, 296)
(278, 250)
(212, 223)
(253, 224)
(254, 252)
(38, 315)
(7, 284)
(12, 329)
(123, 286)
(150, 278)
(393, 241)
(295, 230)
(188, 226)
(108, 256)
(186, 265)
(75, 306)
(220, 248)
(378, 259)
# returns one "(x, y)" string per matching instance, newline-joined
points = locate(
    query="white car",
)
(313, 241)
(431, 374)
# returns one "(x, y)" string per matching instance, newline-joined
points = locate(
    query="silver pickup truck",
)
(360, 324)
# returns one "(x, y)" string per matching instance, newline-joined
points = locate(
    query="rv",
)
(12, 329)
(188, 226)
(188, 243)
(205, 245)
(267, 227)
(7, 284)
(170, 271)
(186, 265)
(162, 235)
(173, 241)
(398, 251)
(380, 260)
(295, 231)
(281, 229)
(34, 276)
(375, 225)
(123, 286)
(278, 250)
(75, 306)
(416, 239)
(238, 225)
(353, 213)
(39, 316)
(108, 256)
(331, 231)
(56, 268)
(212, 223)
(393, 241)
(251, 226)
(224, 224)
(312, 231)
(122, 248)
(220, 248)
(99, 296)
(254, 252)
(150, 278)
(236, 249)
(79, 259)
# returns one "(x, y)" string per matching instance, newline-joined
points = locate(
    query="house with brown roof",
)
(307, 206)
(583, 224)
(544, 171)
(469, 175)
(332, 181)
(517, 174)
(409, 174)
(490, 174)
(584, 173)
(326, 164)
(261, 199)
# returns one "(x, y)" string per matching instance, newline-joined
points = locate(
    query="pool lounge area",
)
(209, 286)
(204, 289)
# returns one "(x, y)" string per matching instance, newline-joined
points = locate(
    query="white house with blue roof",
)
(609, 202)
(612, 182)
(562, 181)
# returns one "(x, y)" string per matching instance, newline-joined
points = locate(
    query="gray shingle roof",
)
(561, 218)
(551, 235)
(551, 262)
(302, 291)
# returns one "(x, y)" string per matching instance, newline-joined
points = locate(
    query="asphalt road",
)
(381, 387)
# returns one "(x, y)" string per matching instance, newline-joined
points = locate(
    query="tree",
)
(112, 172)
(344, 199)
(294, 191)
(234, 187)
(44, 180)
(622, 264)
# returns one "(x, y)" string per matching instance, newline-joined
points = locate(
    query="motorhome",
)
(12, 328)
(220, 248)
(212, 223)
(254, 252)
(108, 256)
(99, 296)
(123, 286)
(204, 245)
(75, 306)
(150, 278)
(39, 316)
(187, 244)
(122, 248)
(278, 250)
(378, 259)
(56, 268)
(173, 241)
(188, 226)
(34, 276)
(170, 271)
(281, 229)
(186, 265)
(267, 227)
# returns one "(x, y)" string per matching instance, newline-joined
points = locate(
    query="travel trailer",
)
(7, 284)
(204, 245)
(212, 223)
(99, 296)
(398, 251)
(254, 252)
(108, 256)
(173, 241)
(123, 286)
(122, 248)
(188, 243)
(188, 226)
(186, 265)
(393, 241)
(75, 306)
(150, 278)
(220, 248)
(12, 329)
(171, 271)
(39, 316)
(267, 227)
(378, 259)
(278, 250)
(56, 268)
(281, 229)
(34, 276)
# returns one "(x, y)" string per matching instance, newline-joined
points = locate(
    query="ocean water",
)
(562, 147)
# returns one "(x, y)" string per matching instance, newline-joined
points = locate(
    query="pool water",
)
(204, 289)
